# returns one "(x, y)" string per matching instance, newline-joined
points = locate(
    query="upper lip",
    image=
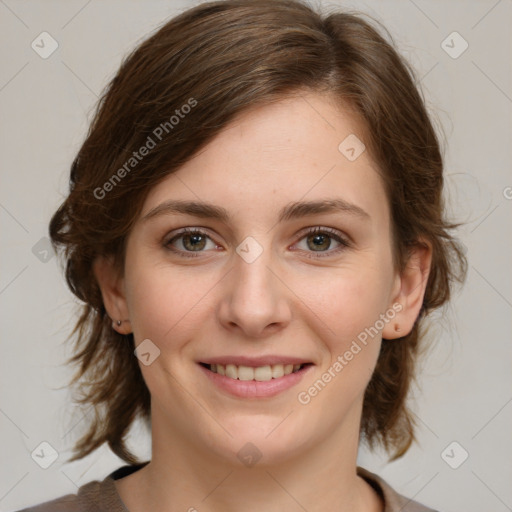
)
(269, 360)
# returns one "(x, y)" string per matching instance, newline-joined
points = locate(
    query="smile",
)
(259, 373)
(264, 378)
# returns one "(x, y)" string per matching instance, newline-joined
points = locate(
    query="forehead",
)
(301, 147)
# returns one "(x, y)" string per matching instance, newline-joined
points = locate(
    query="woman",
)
(256, 228)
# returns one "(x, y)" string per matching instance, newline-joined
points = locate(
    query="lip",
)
(253, 388)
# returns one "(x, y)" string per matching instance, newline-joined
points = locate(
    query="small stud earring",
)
(119, 323)
(397, 328)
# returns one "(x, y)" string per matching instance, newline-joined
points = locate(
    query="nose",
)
(255, 300)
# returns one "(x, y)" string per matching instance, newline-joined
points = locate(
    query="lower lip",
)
(254, 388)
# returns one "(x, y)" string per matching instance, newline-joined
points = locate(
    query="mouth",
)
(258, 373)
(256, 378)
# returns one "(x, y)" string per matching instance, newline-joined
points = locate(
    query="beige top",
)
(102, 496)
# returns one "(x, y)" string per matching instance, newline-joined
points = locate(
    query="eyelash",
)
(311, 254)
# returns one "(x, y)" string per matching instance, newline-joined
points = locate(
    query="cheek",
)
(350, 305)
(345, 301)
(165, 303)
(164, 308)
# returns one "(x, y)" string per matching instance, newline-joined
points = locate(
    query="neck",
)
(321, 478)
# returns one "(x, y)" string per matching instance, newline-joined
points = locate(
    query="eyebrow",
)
(294, 210)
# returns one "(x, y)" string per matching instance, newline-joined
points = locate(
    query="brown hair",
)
(221, 58)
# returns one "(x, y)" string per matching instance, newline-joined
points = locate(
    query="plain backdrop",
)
(464, 393)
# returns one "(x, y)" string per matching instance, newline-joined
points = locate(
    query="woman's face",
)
(268, 283)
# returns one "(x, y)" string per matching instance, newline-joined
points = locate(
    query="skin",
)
(282, 303)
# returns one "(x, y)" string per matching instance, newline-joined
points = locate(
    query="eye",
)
(189, 241)
(319, 240)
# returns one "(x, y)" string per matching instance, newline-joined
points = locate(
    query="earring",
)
(397, 328)
(117, 323)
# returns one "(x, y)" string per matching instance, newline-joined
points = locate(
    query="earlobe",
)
(411, 291)
(112, 291)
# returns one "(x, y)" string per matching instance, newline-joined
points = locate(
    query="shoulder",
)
(96, 496)
(393, 502)
(85, 500)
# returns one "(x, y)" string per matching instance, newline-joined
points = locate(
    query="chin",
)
(263, 441)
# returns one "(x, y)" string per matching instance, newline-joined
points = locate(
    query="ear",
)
(409, 291)
(112, 291)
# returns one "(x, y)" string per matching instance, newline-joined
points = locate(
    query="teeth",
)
(245, 373)
(260, 373)
(231, 371)
(263, 373)
(277, 371)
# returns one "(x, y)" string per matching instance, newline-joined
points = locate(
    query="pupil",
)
(319, 241)
(195, 241)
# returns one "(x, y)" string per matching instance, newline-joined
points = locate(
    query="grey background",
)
(464, 392)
